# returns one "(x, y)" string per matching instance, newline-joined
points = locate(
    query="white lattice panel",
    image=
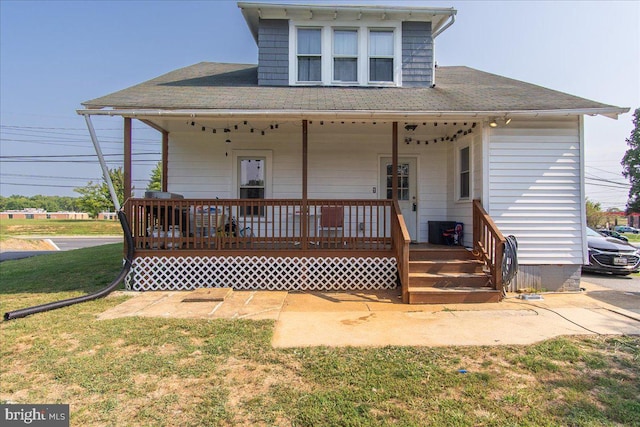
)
(267, 273)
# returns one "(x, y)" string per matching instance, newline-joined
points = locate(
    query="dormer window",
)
(309, 55)
(330, 54)
(381, 56)
(345, 55)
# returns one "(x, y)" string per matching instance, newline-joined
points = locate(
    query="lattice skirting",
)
(267, 273)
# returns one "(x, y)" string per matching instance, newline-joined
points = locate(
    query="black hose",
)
(98, 294)
(509, 262)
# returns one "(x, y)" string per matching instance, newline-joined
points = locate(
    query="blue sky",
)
(56, 54)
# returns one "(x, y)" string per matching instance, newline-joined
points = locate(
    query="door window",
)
(252, 183)
(403, 181)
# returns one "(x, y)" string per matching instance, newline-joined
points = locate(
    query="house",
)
(33, 213)
(345, 159)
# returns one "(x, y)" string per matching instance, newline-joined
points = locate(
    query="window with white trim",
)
(309, 50)
(381, 56)
(464, 190)
(252, 183)
(345, 55)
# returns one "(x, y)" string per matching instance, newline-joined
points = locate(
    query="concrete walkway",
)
(378, 318)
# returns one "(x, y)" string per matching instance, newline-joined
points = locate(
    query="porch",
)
(311, 245)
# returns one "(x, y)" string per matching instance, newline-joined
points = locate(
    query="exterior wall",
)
(461, 210)
(543, 278)
(43, 215)
(417, 54)
(273, 52)
(343, 163)
(535, 193)
(108, 216)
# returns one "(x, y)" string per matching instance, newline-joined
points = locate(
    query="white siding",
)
(199, 168)
(534, 188)
(343, 164)
(462, 210)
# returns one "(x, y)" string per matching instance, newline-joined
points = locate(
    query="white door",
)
(407, 190)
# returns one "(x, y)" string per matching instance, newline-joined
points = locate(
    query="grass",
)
(58, 227)
(167, 372)
(632, 237)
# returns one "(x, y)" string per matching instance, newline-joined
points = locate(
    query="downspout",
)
(127, 236)
(103, 164)
(445, 26)
(433, 37)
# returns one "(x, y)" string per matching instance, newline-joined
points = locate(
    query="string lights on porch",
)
(236, 126)
(464, 128)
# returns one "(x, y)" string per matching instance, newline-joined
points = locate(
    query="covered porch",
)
(262, 241)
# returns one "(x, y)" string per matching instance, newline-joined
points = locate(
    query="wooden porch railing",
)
(250, 225)
(400, 242)
(489, 242)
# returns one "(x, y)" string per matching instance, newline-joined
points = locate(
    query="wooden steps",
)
(448, 275)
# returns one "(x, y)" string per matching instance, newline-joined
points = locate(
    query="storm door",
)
(407, 190)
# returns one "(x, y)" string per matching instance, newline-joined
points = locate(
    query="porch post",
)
(304, 214)
(127, 158)
(394, 162)
(165, 160)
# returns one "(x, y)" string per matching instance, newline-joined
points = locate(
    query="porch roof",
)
(220, 87)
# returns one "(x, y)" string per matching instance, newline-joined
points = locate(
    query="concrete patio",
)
(378, 318)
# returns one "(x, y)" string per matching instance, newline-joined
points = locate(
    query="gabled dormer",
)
(368, 46)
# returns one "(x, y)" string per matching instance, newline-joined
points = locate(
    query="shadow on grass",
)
(80, 271)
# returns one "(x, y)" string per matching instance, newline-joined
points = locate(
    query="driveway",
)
(620, 291)
(65, 243)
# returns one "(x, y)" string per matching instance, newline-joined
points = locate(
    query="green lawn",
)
(633, 238)
(58, 227)
(170, 372)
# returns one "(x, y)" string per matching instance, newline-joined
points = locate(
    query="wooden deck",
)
(315, 229)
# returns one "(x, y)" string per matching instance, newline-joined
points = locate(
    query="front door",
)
(407, 190)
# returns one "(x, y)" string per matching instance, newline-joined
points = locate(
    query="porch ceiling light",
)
(493, 123)
(507, 120)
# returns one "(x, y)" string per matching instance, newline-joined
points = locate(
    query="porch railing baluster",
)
(366, 226)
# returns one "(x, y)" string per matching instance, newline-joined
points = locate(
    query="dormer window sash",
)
(381, 56)
(345, 55)
(309, 53)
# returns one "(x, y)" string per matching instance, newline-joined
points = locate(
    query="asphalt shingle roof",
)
(218, 86)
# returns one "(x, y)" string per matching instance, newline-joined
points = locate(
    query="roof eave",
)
(611, 112)
(253, 12)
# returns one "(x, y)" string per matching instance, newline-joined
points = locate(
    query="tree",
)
(594, 213)
(155, 181)
(631, 164)
(95, 197)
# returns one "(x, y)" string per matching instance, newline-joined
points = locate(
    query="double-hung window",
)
(465, 173)
(345, 55)
(309, 52)
(381, 56)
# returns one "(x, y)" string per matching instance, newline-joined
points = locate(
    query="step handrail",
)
(400, 245)
(488, 243)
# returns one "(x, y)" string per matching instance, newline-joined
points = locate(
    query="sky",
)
(56, 54)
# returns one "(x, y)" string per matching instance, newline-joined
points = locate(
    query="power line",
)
(65, 128)
(47, 176)
(604, 170)
(595, 178)
(40, 185)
